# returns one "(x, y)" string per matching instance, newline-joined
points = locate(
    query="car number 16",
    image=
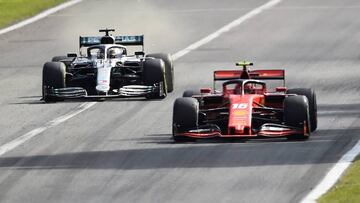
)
(240, 106)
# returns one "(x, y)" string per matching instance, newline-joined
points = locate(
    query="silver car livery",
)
(107, 70)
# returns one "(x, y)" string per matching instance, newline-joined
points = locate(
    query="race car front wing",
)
(124, 91)
(266, 130)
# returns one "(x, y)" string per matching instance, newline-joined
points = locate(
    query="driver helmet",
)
(114, 53)
(249, 89)
(99, 54)
(237, 89)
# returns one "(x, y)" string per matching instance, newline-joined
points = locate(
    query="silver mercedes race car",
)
(106, 70)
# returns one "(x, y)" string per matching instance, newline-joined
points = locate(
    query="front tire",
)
(54, 76)
(169, 69)
(185, 117)
(311, 96)
(154, 73)
(296, 112)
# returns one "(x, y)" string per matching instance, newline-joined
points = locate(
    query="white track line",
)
(39, 16)
(22, 139)
(330, 179)
(333, 175)
(226, 28)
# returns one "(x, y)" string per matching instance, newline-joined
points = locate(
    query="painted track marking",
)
(226, 28)
(22, 139)
(39, 16)
(329, 180)
(333, 175)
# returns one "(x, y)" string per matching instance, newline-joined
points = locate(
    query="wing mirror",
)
(72, 55)
(205, 90)
(139, 53)
(281, 89)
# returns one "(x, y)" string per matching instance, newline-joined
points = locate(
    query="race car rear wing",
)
(131, 40)
(276, 74)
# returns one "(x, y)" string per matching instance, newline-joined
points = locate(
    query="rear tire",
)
(154, 73)
(169, 69)
(58, 58)
(296, 111)
(185, 117)
(311, 96)
(190, 93)
(65, 59)
(54, 76)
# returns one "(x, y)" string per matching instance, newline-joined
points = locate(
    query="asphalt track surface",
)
(120, 150)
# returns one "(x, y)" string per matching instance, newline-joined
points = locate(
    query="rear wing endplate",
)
(275, 74)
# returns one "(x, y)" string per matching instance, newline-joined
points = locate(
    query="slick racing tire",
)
(311, 96)
(154, 73)
(185, 117)
(65, 59)
(169, 69)
(296, 112)
(58, 58)
(190, 93)
(53, 77)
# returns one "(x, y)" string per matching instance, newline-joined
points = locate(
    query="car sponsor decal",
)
(239, 112)
(239, 106)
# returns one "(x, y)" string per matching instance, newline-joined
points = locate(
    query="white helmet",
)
(114, 53)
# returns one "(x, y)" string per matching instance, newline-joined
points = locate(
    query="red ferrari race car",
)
(245, 108)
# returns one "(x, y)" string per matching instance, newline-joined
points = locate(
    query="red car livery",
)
(245, 108)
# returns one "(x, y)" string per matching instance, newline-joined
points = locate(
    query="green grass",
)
(12, 11)
(347, 190)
